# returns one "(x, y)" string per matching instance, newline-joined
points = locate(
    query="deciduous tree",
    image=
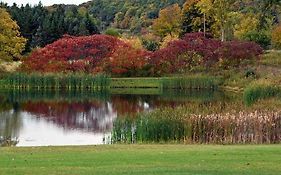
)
(11, 43)
(169, 21)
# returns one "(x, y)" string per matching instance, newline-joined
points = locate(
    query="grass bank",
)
(183, 82)
(142, 159)
(84, 81)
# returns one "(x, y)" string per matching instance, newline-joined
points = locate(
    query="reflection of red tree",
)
(97, 116)
(133, 104)
(123, 105)
(90, 116)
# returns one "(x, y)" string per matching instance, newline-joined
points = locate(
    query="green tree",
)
(169, 21)
(193, 19)
(11, 43)
(221, 11)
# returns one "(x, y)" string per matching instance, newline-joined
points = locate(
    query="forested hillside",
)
(150, 24)
(127, 14)
(44, 25)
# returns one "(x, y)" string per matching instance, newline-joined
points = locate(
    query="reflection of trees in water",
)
(89, 116)
(132, 104)
(10, 125)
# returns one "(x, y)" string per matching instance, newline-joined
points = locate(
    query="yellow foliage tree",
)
(276, 37)
(222, 13)
(11, 43)
(169, 21)
(247, 23)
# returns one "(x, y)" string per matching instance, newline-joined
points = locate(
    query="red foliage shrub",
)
(102, 53)
(72, 54)
(240, 50)
(127, 61)
(205, 46)
(175, 56)
(233, 52)
(166, 60)
(179, 54)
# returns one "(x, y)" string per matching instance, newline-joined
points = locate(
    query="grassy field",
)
(142, 159)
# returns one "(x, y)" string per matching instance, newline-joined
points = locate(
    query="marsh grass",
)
(181, 126)
(260, 90)
(54, 81)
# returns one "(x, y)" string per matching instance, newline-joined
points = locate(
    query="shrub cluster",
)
(103, 53)
(197, 49)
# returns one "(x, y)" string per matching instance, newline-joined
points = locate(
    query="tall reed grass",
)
(260, 90)
(179, 126)
(54, 81)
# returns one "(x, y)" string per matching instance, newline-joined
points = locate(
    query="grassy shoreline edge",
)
(142, 159)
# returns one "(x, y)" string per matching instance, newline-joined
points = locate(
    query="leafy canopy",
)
(11, 43)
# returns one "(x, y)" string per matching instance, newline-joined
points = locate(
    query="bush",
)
(192, 50)
(195, 49)
(150, 42)
(112, 32)
(205, 46)
(260, 38)
(168, 60)
(276, 37)
(72, 54)
(127, 61)
(232, 53)
(150, 45)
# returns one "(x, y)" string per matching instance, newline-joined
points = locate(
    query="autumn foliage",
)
(276, 37)
(83, 54)
(107, 54)
(197, 49)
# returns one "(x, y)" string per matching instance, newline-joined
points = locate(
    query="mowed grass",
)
(142, 160)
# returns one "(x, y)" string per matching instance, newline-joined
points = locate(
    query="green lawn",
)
(142, 160)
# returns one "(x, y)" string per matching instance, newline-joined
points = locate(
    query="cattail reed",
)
(179, 127)
(54, 81)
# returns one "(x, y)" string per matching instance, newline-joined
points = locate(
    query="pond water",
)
(44, 118)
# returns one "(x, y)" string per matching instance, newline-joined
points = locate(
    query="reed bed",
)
(231, 128)
(191, 82)
(259, 91)
(54, 81)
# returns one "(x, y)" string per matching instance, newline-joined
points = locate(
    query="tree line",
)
(154, 22)
(44, 25)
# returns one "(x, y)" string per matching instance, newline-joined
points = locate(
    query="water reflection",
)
(10, 125)
(41, 118)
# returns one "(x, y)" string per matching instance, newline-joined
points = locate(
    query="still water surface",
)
(46, 118)
(76, 118)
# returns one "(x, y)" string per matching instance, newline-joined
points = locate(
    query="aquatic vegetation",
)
(260, 90)
(54, 81)
(181, 126)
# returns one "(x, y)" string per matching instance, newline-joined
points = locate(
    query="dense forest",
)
(243, 19)
(147, 34)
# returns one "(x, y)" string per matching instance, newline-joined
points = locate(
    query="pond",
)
(46, 118)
